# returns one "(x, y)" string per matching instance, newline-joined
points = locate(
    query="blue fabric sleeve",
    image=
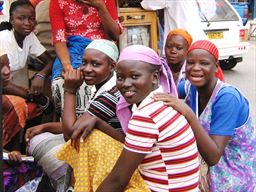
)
(181, 90)
(230, 110)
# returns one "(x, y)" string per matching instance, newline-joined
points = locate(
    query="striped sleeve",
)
(104, 106)
(141, 135)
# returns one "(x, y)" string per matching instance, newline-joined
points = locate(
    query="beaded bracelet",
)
(40, 75)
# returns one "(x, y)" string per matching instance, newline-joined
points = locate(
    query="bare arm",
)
(63, 54)
(52, 127)
(12, 89)
(37, 83)
(110, 26)
(73, 80)
(122, 172)
(47, 59)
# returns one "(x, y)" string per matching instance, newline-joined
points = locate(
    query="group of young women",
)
(123, 127)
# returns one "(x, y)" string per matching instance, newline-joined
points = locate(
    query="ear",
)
(155, 77)
(216, 66)
(11, 20)
(112, 66)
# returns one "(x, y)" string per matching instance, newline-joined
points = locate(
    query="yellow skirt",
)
(95, 160)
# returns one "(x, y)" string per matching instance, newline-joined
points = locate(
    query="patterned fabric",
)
(235, 170)
(94, 161)
(83, 95)
(43, 147)
(16, 176)
(207, 46)
(104, 107)
(70, 18)
(171, 162)
(15, 114)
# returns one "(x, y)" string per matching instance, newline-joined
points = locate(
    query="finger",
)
(85, 134)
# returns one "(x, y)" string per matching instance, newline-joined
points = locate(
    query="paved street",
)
(243, 76)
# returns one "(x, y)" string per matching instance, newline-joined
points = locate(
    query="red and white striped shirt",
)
(171, 163)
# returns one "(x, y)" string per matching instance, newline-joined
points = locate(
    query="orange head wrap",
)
(182, 33)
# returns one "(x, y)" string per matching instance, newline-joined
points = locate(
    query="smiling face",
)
(97, 68)
(176, 48)
(23, 20)
(136, 79)
(201, 67)
(5, 70)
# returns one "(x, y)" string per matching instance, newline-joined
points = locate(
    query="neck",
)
(206, 91)
(19, 38)
(176, 67)
(98, 86)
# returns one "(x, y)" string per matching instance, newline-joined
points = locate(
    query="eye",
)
(204, 63)
(189, 62)
(179, 48)
(84, 62)
(135, 76)
(119, 78)
(95, 64)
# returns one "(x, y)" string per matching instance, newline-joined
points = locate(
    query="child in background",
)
(158, 139)
(18, 40)
(224, 129)
(176, 47)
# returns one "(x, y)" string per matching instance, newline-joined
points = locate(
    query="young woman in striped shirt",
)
(158, 139)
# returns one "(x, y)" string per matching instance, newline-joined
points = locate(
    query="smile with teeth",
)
(196, 77)
(128, 93)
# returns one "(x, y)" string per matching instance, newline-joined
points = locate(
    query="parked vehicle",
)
(224, 27)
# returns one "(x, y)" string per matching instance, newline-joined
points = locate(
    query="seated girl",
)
(158, 139)
(176, 47)
(18, 40)
(221, 121)
(97, 71)
(17, 113)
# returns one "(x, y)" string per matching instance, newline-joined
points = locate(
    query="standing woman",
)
(74, 25)
(224, 131)
(19, 41)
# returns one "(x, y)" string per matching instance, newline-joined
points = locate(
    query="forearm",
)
(63, 54)
(53, 127)
(208, 149)
(69, 114)
(109, 24)
(12, 89)
(47, 59)
(109, 130)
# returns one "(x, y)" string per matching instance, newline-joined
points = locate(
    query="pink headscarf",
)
(145, 54)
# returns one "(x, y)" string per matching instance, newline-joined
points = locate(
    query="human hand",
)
(15, 156)
(37, 84)
(73, 79)
(173, 102)
(66, 68)
(82, 128)
(98, 4)
(33, 131)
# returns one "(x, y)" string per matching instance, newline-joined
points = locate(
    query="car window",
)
(216, 10)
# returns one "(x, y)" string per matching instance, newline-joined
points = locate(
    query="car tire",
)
(228, 64)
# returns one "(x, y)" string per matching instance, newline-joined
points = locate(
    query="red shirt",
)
(69, 18)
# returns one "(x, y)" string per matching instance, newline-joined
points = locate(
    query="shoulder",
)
(230, 93)
(5, 35)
